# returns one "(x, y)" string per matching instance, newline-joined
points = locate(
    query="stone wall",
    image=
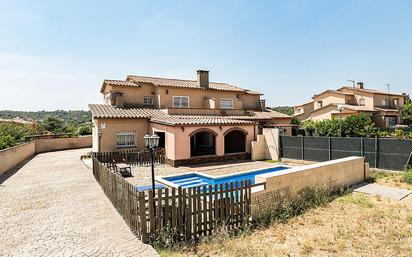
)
(56, 144)
(13, 156)
(287, 183)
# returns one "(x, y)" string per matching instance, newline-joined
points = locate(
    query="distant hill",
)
(72, 117)
(283, 109)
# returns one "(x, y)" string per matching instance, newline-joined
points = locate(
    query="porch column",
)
(220, 144)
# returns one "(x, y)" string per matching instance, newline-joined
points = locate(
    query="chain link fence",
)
(382, 153)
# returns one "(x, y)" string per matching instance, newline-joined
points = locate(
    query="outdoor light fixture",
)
(151, 142)
(340, 109)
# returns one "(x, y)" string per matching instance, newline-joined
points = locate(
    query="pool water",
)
(194, 179)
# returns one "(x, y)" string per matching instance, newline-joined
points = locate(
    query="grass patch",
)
(407, 177)
(360, 200)
(377, 175)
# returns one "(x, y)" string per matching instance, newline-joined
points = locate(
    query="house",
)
(196, 120)
(381, 106)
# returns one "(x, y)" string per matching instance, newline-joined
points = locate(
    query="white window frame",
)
(226, 99)
(128, 141)
(362, 102)
(151, 100)
(320, 104)
(384, 102)
(180, 102)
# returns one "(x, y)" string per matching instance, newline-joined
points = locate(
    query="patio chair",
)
(120, 166)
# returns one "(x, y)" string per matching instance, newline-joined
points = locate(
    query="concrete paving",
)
(53, 206)
(384, 191)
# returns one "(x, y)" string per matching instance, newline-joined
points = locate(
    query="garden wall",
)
(56, 144)
(13, 156)
(287, 183)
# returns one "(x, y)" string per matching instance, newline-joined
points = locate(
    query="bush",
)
(84, 130)
(407, 177)
(6, 142)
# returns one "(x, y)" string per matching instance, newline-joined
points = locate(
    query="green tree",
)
(405, 113)
(53, 124)
(7, 141)
(85, 129)
(359, 125)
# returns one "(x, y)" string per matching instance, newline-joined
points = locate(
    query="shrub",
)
(407, 177)
(6, 142)
(84, 130)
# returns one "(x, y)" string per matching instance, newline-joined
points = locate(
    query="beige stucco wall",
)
(164, 96)
(11, 157)
(328, 98)
(110, 127)
(178, 138)
(56, 144)
(266, 147)
(335, 173)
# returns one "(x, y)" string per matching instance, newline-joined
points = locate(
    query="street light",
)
(151, 142)
(340, 109)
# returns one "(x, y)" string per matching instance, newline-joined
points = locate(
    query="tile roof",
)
(113, 82)
(206, 120)
(156, 115)
(368, 90)
(109, 111)
(167, 82)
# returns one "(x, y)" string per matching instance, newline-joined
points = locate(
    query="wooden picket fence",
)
(132, 157)
(185, 213)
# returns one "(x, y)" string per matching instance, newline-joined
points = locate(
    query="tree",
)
(405, 113)
(53, 124)
(359, 125)
(85, 129)
(407, 98)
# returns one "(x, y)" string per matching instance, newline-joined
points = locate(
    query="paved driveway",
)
(53, 207)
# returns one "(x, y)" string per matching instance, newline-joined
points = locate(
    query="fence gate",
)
(383, 153)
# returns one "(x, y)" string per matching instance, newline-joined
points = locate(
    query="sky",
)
(56, 54)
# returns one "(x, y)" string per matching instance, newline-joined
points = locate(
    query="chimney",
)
(262, 104)
(203, 78)
(359, 85)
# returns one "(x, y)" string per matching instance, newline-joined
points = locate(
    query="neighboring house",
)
(197, 120)
(381, 106)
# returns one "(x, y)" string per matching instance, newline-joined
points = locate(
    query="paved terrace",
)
(53, 206)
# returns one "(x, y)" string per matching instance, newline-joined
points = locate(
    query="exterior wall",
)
(307, 109)
(55, 144)
(11, 157)
(179, 143)
(328, 98)
(164, 96)
(134, 95)
(325, 113)
(112, 126)
(377, 98)
(267, 145)
(335, 173)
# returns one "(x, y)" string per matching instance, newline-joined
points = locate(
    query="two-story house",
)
(197, 120)
(383, 107)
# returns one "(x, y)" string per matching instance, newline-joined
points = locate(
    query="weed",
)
(357, 199)
(407, 177)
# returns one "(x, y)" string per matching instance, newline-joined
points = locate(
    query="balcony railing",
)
(206, 111)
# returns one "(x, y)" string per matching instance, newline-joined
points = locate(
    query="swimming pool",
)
(199, 179)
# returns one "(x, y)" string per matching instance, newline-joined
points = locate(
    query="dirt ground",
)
(351, 225)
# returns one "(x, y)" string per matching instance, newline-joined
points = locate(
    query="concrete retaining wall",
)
(267, 145)
(287, 183)
(11, 157)
(56, 144)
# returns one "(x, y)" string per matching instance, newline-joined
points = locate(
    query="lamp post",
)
(340, 108)
(151, 142)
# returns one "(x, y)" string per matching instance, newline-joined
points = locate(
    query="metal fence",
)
(132, 157)
(382, 153)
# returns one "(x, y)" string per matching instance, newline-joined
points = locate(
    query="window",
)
(384, 102)
(226, 103)
(396, 102)
(126, 139)
(180, 102)
(320, 104)
(362, 102)
(148, 100)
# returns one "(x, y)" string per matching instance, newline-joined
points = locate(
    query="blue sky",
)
(55, 54)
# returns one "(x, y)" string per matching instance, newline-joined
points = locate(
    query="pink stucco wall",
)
(178, 138)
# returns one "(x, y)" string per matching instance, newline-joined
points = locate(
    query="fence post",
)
(376, 152)
(330, 148)
(303, 148)
(362, 147)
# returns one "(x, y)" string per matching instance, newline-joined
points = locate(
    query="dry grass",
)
(351, 225)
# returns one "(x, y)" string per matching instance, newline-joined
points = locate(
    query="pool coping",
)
(162, 180)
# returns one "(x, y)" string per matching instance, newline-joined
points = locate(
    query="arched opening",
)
(235, 142)
(202, 143)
